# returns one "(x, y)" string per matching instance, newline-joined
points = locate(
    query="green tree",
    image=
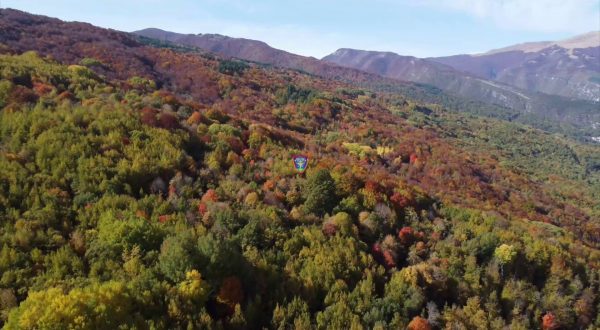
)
(294, 315)
(320, 193)
(178, 256)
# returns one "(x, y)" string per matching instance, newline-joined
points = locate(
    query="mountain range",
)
(568, 67)
(462, 77)
(150, 185)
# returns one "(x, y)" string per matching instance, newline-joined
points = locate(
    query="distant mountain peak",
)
(586, 40)
(355, 52)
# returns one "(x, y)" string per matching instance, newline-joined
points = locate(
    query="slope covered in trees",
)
(160, 193)
(456, 89)
(124, 56)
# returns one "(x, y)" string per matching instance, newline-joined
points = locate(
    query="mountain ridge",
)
(457, 80)
(586, 40)
(448, 79)
(569, 67)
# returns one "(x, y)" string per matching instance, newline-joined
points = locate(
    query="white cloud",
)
(531, 15)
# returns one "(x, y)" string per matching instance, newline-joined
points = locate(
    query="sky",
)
(316, 28)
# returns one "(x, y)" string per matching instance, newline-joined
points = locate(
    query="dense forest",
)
(152, 187)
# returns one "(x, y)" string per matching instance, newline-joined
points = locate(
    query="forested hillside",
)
(153, 188)
(454, 88)
(549, 112)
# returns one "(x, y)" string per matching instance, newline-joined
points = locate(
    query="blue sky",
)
(316, 28)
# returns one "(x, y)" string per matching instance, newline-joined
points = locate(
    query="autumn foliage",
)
(151, 186)
(230, 293)
(418, 323)
(549, 322)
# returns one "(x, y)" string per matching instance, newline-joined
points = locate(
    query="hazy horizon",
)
(419, 28)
